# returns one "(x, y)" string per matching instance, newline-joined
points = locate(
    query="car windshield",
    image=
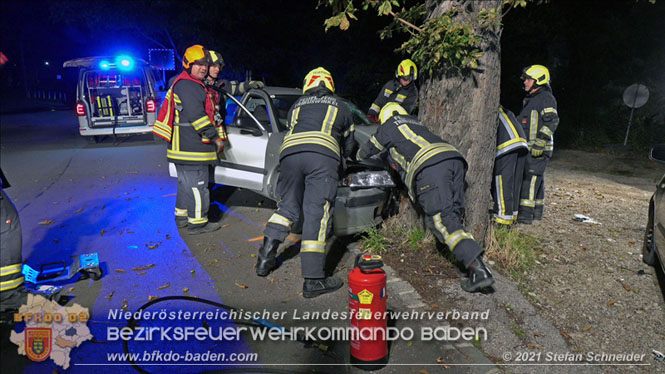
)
(359, 117)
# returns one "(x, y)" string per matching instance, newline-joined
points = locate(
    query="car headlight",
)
(367, 179)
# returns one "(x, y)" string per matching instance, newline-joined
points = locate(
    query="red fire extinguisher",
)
(367, 304)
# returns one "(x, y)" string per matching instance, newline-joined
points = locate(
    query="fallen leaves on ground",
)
(47, 222)
(120, 271)
(167, 285)
(241, 285)
(145, 267)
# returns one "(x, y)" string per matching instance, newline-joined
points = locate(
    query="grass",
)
(374, 241)
(512, 250)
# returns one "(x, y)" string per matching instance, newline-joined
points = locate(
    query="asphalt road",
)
(117, 199)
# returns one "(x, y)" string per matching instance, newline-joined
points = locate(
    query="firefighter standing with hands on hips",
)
(433, 171)
(320, 134)
(539, 119)
(401, 90)
(186, 121)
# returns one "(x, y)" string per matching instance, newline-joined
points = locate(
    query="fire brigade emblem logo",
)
(38, 343)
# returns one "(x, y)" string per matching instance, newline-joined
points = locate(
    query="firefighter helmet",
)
(538, 73)
(195, 54)
(407, 69)
(389, 110)
(316, 78)
(216, 58)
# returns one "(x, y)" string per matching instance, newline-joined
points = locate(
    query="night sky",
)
(594, 49)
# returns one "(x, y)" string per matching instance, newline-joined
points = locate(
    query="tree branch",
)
(406, 22)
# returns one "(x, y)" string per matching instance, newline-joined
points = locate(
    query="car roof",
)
(281, 91)
(87, 62)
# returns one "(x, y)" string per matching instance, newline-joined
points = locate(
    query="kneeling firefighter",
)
(186, 121)
(12, 293)
(320, 134)
(434, 172)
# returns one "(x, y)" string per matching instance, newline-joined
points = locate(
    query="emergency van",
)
(114, 96)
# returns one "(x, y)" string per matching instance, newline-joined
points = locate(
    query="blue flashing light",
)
(124, 62)
(104, 65)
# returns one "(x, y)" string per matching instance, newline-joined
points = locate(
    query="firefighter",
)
(320, 134)
(539, 119)
(511, 150)
(433, 172)
(401, 90)
(186, 122)
(12, 293)
(231, 87)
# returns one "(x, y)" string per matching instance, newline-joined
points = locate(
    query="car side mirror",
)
(658, 153)
(253, 132)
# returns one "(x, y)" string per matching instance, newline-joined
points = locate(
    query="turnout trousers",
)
(506, 185)
(532, 196)
(193, 197)
(307, 183)
(440, 192)
(11, 259)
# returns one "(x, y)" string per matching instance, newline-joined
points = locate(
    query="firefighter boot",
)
(202, 229)
(480, 276)
(267, 261)
(317, 287)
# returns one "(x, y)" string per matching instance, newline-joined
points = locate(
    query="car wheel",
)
(649, 246)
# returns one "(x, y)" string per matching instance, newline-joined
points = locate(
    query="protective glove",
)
(256, 84)
(373, 118)
(220, 145)
(538, 148)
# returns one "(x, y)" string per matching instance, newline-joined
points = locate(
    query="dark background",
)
(594, 50)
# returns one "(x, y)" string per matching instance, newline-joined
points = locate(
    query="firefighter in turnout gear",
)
(186, 122)
(12, 293)
(401, 90)
(433, 171)
(539, 119)
(231, 87)
(320, 134)
(511, 150)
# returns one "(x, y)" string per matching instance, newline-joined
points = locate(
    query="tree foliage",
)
(438, 44)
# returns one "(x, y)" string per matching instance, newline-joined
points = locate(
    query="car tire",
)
(95, 139)
(649, 246)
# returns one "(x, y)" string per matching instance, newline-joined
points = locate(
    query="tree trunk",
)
(462, 109)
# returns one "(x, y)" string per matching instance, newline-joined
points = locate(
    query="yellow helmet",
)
(538, 73)
(316, 78)
(216, 58)
(407, 69)
(389, 110)
(195, 54)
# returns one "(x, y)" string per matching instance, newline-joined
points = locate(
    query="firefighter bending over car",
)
(401, 90)
(511, 150)
(320, 134)
(186, 122)
(539, 119)
(433, 171)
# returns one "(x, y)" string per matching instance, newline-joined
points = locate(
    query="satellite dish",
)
(636, 95)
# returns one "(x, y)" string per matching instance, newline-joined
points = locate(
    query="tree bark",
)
(462, 109)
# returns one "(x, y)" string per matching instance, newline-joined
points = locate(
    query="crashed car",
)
(366, 192)
(653, 249)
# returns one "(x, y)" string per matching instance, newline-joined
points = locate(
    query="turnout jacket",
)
(539, 119)
(190, 110)
(510, 136)
(319, 122)
(393, 91)
(411, 146)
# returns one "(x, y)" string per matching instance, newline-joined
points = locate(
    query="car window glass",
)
(359, 117)
(258, 107)
(282, 104)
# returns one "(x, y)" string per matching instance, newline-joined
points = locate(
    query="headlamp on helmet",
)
(389, 110)
(195, 54)
(538, 73)
(407, 69)
(318, 77)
